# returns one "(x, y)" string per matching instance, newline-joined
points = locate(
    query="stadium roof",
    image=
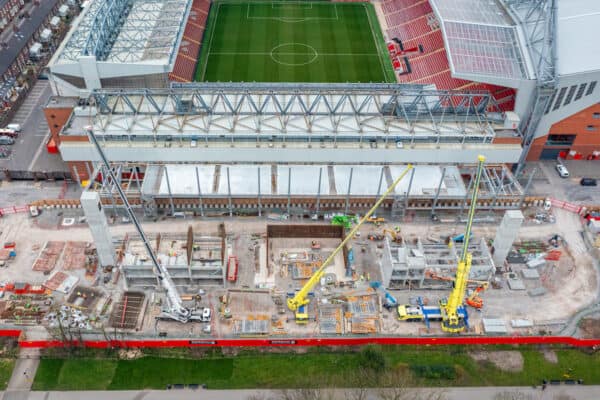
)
(481, 38)
(329, 110)
(127, 31)
(577, 46)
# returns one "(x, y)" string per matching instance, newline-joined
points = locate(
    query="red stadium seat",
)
(413, 22)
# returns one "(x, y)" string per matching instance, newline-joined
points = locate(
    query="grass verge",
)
(451, 366)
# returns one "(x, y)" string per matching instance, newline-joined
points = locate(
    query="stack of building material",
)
(331, 319)
(47, 259)
(253, 326)
(304, 270)
(494, 325)
(363, 314)
(61, 282)
(74, 255)
(361, 325)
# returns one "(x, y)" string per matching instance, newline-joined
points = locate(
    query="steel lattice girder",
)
(127, 30)
(538, 19)
(297, 108)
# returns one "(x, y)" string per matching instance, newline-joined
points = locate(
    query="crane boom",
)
(176, 309)
(301, 297)
(451, 321)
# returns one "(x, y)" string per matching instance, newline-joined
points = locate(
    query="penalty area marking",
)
(293, 20)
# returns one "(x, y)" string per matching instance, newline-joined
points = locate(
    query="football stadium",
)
(293, 41)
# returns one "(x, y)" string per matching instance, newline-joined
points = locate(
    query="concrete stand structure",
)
(506, 235)
(191, 261)
(92, 207)
(431, 265)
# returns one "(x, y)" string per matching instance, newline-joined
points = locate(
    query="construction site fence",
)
(528, 202)
(308, 342)
(22, 175)
(305, 231)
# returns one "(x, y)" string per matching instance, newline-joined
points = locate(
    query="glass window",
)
(560, 140)
(591, 88)
(570, 95)
(559, 99)
(580, 91)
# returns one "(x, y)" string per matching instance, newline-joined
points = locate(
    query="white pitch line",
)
(376, 42)
(236, 53)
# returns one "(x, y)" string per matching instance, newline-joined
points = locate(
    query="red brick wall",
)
(56, 119)
(81, 168)
(585, 144)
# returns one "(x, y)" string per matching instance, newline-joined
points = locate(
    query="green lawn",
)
(313, 368)
(293, 41)
(6, 368)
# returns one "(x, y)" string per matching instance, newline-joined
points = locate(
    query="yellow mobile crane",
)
(451, 318)
(300, 300)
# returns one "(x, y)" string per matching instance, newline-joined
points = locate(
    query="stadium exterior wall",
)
(584, 126)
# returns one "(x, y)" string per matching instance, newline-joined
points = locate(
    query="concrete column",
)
(505, 235)
(96, 219)
(89, 70)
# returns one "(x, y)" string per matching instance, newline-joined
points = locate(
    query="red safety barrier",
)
(403, 341)
(565, 205)
(13, 210)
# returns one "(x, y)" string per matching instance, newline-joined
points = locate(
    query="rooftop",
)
(481, 38)
(297, 180)
(577, 47)
(27, 27)
(127, 31)
(293, 111)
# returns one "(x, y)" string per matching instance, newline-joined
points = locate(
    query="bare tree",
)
(358, 393)
(396, 385)
(305, 394)
(563, 396)
(256, 396)
(513, 395)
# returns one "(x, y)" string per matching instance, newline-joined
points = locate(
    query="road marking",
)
(38, 151)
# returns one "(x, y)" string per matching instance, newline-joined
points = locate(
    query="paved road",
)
(547, 182)
(22, 376)
(29, 152)
(479, 393)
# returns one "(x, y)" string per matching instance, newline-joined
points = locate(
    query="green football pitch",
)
(293, 41)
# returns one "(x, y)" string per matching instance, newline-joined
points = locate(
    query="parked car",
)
(9, 132)
(14, 127)
(588, 182)
(562, 171)
(6, 140)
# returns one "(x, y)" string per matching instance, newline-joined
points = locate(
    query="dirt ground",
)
(511, 361)
(550, 356)
(590, 328)
(574, 283)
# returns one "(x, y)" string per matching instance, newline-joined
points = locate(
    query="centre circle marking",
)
(311, 52)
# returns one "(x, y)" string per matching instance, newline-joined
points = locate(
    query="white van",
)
(206, 314)
(14, 127)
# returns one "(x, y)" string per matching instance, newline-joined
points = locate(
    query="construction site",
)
(461, 262)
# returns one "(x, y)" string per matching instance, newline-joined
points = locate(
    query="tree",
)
(397, 385)
(305, 394)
